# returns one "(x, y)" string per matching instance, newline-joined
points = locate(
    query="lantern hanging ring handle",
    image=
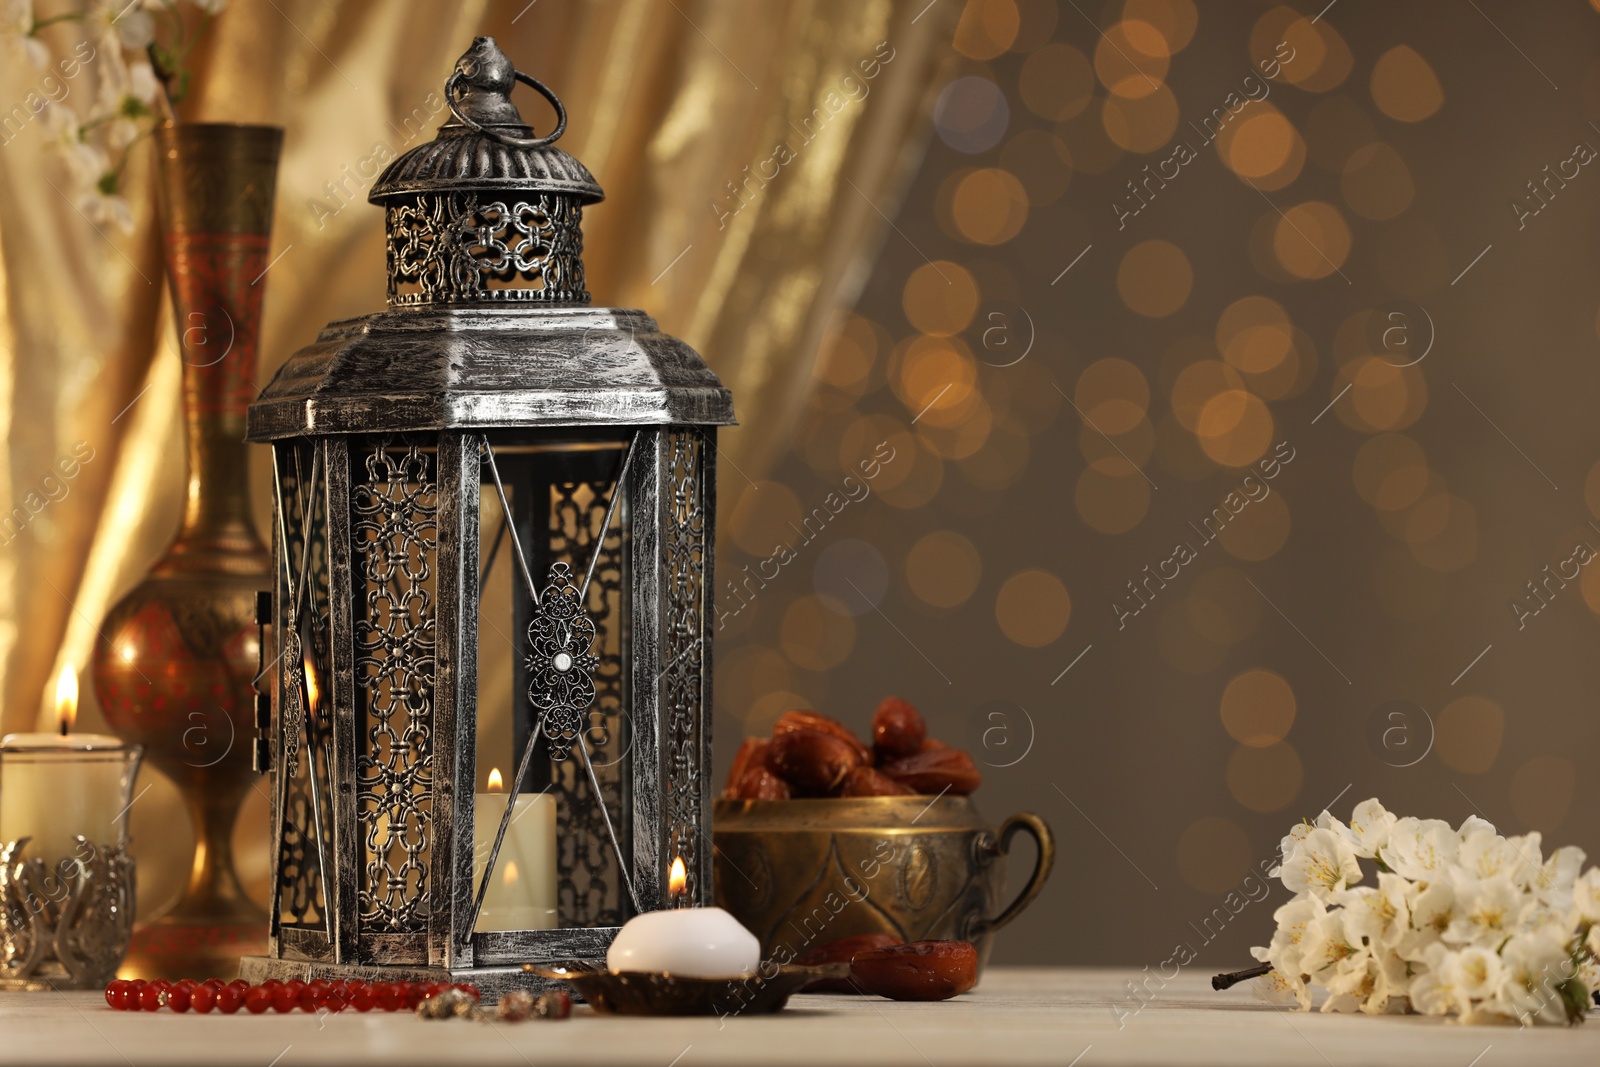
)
(453, 84)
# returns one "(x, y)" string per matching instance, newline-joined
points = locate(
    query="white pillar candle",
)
(688, 942)
(56, 787)
(522, 892)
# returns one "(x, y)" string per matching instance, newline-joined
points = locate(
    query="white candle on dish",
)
(55, 787)
(689, 942)
(522, 892)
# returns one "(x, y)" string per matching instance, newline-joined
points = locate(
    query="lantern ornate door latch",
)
(493, 544)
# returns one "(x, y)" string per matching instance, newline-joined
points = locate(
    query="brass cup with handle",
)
(801, 873)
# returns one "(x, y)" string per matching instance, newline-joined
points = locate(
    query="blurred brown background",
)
(1150, 245)
(1312, 651)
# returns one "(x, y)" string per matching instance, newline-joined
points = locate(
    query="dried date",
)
(870, 782)
(897, 730)
(842, 950)
(813, 762)
(752, 753)
(936, 770)
(918, 970)
(815, 720)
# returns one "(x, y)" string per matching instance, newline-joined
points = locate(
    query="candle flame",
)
(312, 691)
(496, 783)
(67, 698)
(678, 881)
(511, 874)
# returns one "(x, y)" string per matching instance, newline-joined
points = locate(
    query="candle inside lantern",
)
(522, 892)
(689, 942)
(55, 787)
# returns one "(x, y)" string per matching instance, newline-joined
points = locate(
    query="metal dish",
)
(642, 993)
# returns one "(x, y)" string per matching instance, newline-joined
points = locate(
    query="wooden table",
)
(1047, 1016)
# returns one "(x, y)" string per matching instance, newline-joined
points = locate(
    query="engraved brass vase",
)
(801, 873)
(176, 656)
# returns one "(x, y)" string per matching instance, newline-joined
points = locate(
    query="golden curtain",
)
(750, 152)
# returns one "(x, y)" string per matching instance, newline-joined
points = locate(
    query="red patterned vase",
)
(176, 656)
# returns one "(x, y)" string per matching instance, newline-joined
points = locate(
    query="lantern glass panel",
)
(550, 659)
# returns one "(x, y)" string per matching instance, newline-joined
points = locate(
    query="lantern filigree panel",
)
(454, 247)
(685, 703)
(394, 506)
(305, 832)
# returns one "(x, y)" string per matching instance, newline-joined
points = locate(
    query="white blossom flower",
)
(1382, 915)
(1286, 953)
(121, 22)
(1485, 854)
(1556, 876)
(1434, 991)
(16, 25)
(1370, 824)
(1586, 894)
(1420, 849)
(1487, 911)
(1532, 965)
(1321, 863)
(105, 209)
(1433, 909)
(1472, 824)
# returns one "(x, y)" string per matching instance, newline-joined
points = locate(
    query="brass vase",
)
(176, 656)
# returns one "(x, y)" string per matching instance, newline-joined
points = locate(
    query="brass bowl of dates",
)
(820, 836)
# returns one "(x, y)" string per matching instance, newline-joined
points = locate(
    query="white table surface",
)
(1024, 1016)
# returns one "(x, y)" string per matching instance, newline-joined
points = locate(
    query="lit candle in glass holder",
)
(56, 787)
(522, 892)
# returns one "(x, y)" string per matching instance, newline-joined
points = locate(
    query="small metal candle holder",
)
(66, 929)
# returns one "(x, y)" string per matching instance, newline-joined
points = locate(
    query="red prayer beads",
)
(273, 995)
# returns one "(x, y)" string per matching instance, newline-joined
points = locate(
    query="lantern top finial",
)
(488, 148)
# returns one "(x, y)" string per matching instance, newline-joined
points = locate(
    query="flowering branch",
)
(139, 77)
(1461, 922)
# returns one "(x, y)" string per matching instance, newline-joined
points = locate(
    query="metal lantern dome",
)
(493, 543)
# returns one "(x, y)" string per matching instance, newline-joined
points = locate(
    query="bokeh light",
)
(1390, 471)
(1235, 427)
(1377, 183)
(815, 635)
(1143, 123)
(940, 298)
(989, 206)
(1262, 147)
(1311, 240)
(987, 28)
(1404, 86)
(1057, 82)
(1113, 395)
(971, 114)
(1112, 501)
(1154, 278)
(1032, 608)
(1254, 334)
(1258, 707)
(1223, 605)
(1131, 58)
(850, 574)
(1259, 531)
(1175, 20)
(943, 568)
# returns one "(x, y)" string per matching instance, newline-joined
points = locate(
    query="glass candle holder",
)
(66, 879)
